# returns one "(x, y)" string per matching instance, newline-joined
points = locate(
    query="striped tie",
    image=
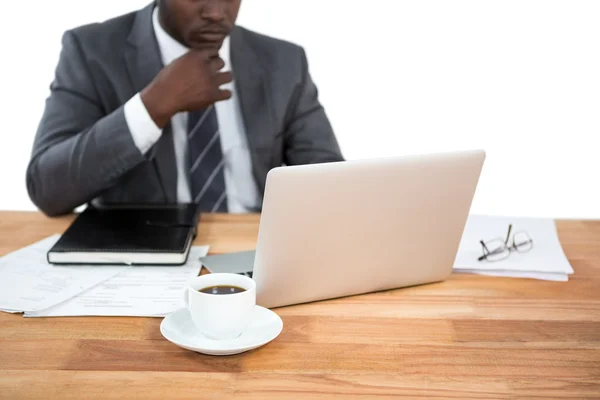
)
(207, 179)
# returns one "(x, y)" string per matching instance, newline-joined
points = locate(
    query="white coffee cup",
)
(221, 316)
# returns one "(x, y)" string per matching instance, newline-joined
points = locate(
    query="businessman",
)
(174, 103)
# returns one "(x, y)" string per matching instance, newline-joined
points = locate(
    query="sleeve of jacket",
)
(79, 149)
(309, 137)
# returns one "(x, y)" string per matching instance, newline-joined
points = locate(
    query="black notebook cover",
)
(160, 235)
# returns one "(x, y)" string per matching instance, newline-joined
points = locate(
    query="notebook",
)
(146, 235)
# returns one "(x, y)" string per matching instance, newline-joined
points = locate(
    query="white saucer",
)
(179, 329)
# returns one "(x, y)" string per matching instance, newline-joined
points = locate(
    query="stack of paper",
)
(30, 285)
(546, 259)
(138, 292)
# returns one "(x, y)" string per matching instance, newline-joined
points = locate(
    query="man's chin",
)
(205, 45)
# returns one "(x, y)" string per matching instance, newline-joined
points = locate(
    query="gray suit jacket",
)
(83, 151)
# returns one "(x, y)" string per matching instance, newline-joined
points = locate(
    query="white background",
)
(518, 78)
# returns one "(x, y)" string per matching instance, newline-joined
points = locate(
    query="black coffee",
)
(223, 289)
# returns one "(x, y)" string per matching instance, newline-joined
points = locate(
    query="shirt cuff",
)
(144, 131)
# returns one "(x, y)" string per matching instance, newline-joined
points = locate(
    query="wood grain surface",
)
(470, 337)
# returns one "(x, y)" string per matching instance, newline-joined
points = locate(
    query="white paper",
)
(546, 276)
(546, 260)
(6, 310)
(138, 292)
(29, 283)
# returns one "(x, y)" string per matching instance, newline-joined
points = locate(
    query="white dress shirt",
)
(242, 192)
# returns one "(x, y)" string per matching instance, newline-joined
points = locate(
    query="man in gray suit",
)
(175, 104)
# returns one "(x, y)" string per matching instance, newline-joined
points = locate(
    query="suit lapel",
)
(143, 64)
(252, 92)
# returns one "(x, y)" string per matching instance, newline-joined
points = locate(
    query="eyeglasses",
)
(499, 249)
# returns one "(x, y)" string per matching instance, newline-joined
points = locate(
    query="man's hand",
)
(189, 83)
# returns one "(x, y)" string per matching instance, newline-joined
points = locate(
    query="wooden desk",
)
(470, 337)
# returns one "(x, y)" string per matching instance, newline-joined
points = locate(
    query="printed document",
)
(138, 292)
(29, 283)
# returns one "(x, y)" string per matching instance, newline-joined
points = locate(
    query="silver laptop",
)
(341, 229)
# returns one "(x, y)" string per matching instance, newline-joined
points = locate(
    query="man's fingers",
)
(217, 64)
(223, 95)
(205, 56)
(210, 53)
(224, 77)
